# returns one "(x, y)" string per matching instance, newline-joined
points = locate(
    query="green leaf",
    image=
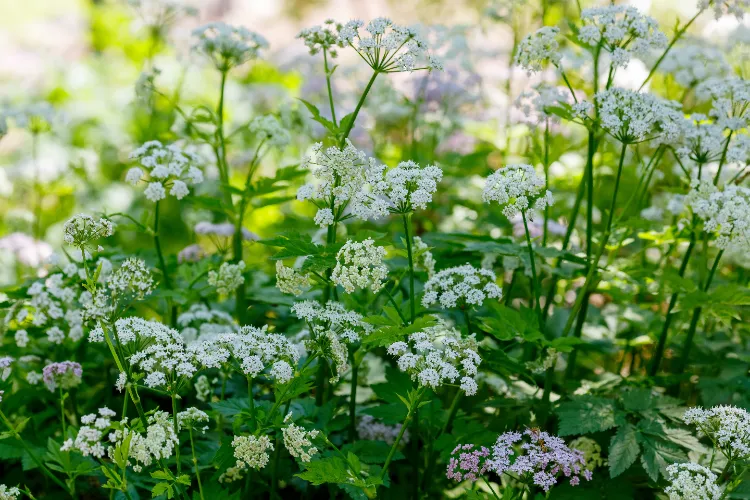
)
(585, 414)
(292, 244)
(161, 489)
(623, 450)
(636, 399)
(231, 407)
(315, 112)
(657, 455)
(387, 335)
(507, 324)
(326, 470)
(372, 452)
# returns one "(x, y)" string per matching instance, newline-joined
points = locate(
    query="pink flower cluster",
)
(544, 456)
(64, 375)
(470, 465)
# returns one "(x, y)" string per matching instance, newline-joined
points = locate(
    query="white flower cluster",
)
(201, 323)
(228, 278)
(250, 351)
(438, 355)
(409, 186)
(228, 46)
(700, 140)
(727, 426)
(389, 48)
(83, 229)
(690, 481)
(9, 493)
(289, 281)
(623, 31)
(726, 213)
(133, 278)
(730, 100)
(165, 357)
(423, 257)
(632, 117)
(251, 451)
(88, 441)
(517, 187)
(190, 417)
(370, 429)
(342, 180)
(298, 441)
(535, 104)
(331, 328)
(461, 286)
(539, 47)
(269, 129)
(168, 167)
(737, 8)
(360, 265)
(319, 38)
(692, 64)
(158, 443)
(53, 304)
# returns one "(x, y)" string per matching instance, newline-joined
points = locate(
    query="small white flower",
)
(228, 278)
(155, 191)
(538, 48)
(360, 265)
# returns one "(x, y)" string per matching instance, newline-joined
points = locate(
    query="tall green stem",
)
(176, 432)
(407, 232)
(677, 36)
(404, 425)
(221, 152)
(328, 84)
(535, 284)
(353, 399)
(163, 264)
(195, 463)
(31, 453)
(361, 101)
(546, 180)
(661, 345)
(696, 317)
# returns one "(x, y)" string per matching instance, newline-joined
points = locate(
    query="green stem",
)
(677, 36)
(546, 180)
(62, 414)
(576, 334)
(221, 153)
(404, 425)
(593, 264)
(661, 345)
(395, 306)
(490, 487)
(176, 433)
(723, 157)
(31, 453)
(328, 84)
(250, 399)
(195, 463)
(431, 454)
(412, 303)
(696, 317)
(590, 194)
(353, 400)
(361, 101)
(534, 278)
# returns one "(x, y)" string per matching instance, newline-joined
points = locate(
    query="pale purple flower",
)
(65, 375)
(471, 463)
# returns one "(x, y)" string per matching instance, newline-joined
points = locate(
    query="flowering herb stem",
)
(350, 122)
(163, 264)
(404, 425)
(677, 36)
(176, 431)
(661, 345)
(545, 163)
(353, 398)
(221, 153)
(682, 364)
(534, 278)
(328, 85)
(490, 488)
(409, 251)
(195, 463)
(33, 455)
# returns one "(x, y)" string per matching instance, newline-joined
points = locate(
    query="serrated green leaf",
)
(623, 450)
(585, 414)
(325, 470)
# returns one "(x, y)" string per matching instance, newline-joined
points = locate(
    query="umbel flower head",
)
(700, 140)
(725, 213)
(318, 38)
(690, 481)
(298, 441)
(438, 355)
(632, 117)
(251, 351)
(622, 30)
(539, 456)
(290, 281)
(251, 451)
(268, 128)
(737, 8)
(200, 323)
(461, 286)
(64, 375)
(343, 180)
(9, 492)
(690, 65)
(228, 278)
(727, 426)
(730, 100)
(81, 230)
(388, 47)
(228, 46)
(518, 187)
(168, 167)
(538, 48)
(360, 265)
(409, 186)
(471, 463)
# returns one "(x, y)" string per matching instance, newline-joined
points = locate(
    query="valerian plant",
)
(370, 285)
